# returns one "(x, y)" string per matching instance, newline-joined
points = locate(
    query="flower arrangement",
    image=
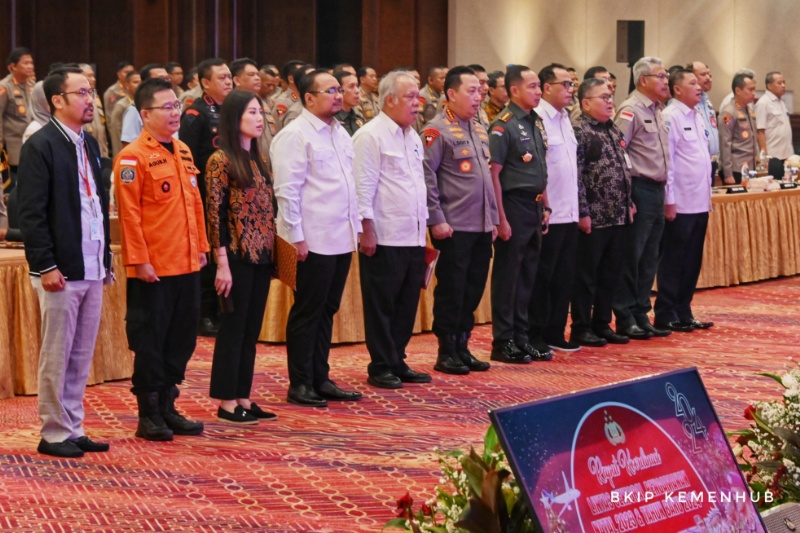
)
(769, 451)
(476, 494)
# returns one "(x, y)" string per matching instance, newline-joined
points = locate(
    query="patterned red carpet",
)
(341, 469)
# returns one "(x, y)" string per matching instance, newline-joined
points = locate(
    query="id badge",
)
(94, 230)
(628, 161)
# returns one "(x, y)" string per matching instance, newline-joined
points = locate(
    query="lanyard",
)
(83, 172)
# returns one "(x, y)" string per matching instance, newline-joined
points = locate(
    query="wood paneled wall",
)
(382, 33)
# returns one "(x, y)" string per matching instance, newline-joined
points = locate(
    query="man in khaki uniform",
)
(116, 92)
(288, 105)
(737, 130)
(270, 81)
(97, 127)
(498, 96)
(647, 151)
(367, 98)
(132, 81)
(432, 92)
(483, 79)
(15, 106)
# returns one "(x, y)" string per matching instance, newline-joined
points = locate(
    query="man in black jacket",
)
(62, 215)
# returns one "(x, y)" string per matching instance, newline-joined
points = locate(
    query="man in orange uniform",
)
(164, 246)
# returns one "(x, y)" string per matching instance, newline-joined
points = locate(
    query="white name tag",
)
(94, 230)
(628, 161)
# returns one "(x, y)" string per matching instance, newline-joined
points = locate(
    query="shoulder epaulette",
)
(505, 117)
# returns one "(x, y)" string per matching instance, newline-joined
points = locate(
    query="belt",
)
(524, 193)
(650, 181)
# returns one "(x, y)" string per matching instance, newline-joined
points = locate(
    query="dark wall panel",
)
(382, 33)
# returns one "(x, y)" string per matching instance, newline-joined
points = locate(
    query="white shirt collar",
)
(548, 109)
(71, 135)
(317, 123)
(683, 108)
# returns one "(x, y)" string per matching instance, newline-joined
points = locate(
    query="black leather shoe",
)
(697, 324)
(563, 345)
(657, 331)
(635, 332)
(451, 365)
(260, 414)
(387, 380)
(412, 376)
(88, 445)
(331, 391)
(208, 328)
(683, 327)
(466, 357)
(613, 338)
(60, 449)
(534, 353)
(588, 338)
(508, 352)
(306, 396)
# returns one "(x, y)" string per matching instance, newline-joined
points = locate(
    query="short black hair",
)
(123, 64)
(453, 79)
(676, 76)
(514, 75)
(16, 54)
(131, 74)
(363, 72)
(589, 74)
(145, 71)
(570, 69)
(432, 70)
(145, 93)
(548, 73)
(306, 82)
(340, 66)
(271, 70)
(494, 76)
(587, 86)
(54, 84)
(340, 75)
(57, 65)
(477, 68)
(290, 68)
(770, 77)
(738, 81)
(237, 65)
(172, 65)
(204, 68)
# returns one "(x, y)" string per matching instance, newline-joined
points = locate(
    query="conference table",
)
(20, 340)
(751, 237)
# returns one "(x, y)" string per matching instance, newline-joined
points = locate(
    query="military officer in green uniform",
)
(350, 116)
(518, 144)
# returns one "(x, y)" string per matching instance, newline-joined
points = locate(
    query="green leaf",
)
(454, 453)
(773, 376)
(787, 435)
(474, 473)
(490, 442)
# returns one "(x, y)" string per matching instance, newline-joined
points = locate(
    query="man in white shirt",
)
(392, 204)
(686, 206)
(312, 158)
(773, 128)
(549, 305)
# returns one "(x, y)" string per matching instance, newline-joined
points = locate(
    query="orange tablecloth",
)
(751, 237)
(20, 340)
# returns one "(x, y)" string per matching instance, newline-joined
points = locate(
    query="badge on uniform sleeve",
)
(626, 115)
(727, 120)
(465, 166)
(430, 135)
(281, 109)
(527, 157)
(498, 130)
(127, 175)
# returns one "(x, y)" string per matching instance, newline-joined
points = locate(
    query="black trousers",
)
(681, 259)
(320, 284)
(209, 302)
(643, 241)
(235, 349)
(161, 323)
(514, 268)
(461, 274)
(597, 277)
(390, 283)
(552, 290)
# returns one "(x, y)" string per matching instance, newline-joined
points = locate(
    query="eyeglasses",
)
(568, 84)
(604, 97)
(169, 108)
(661, 76)
(83, 93)
(331, 91)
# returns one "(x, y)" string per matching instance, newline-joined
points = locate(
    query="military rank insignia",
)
(430, 135)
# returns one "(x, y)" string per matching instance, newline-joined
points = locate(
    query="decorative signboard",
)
(647, 455)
